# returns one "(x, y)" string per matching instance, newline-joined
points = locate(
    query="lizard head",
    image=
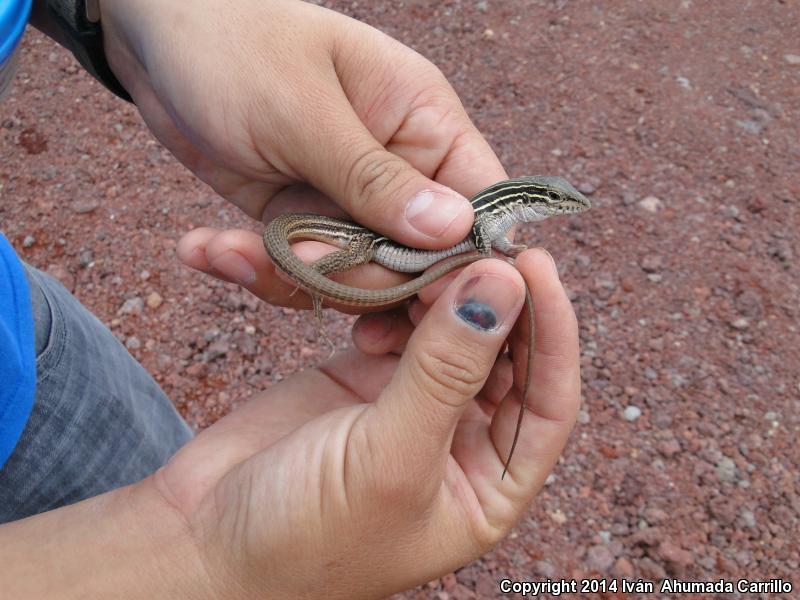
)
(549, 195)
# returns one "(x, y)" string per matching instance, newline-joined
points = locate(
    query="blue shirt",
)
(17, 353)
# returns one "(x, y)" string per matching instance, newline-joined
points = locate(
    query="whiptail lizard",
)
(497, 209)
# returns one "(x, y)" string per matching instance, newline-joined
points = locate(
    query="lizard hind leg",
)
(358, 252)
(316, 301)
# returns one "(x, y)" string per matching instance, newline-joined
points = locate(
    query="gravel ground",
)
(679, 119)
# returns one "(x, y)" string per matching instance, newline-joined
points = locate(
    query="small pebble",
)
(586, 188)
(741, 324)
(632, 413)
(726, 469)
(131, 306)
(792, 59)
(133, 343)
(28, 241)
(651, 204)
(83, 207)
(216, 350)
(651, 263)
(748, 517)
(154, 300)
(544, 569)
(599, 558)
(623, 568)
(85, 258)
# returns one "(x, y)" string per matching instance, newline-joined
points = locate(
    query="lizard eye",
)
(554, 197)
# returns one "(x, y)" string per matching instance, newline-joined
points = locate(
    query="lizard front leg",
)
(508, 248)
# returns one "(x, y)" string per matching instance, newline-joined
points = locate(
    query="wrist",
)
(126, 543)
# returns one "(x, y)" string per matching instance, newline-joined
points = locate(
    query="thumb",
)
(445, 364)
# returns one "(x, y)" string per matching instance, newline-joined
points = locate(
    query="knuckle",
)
(373, 174)
(488, 535)
(450, 371)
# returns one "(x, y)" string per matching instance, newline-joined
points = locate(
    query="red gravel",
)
(679, 120)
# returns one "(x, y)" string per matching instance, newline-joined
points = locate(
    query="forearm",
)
(123, 544)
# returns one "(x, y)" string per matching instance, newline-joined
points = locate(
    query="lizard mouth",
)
(576, 207)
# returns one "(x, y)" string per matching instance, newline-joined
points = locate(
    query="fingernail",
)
(432, 212)
(552, 261)
(234, 266)
(484, 302)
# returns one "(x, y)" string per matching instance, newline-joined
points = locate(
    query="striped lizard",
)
(497, 209)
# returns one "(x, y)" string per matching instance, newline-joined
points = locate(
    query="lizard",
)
(497, 208)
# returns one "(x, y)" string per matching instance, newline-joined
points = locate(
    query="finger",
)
(238, 256)
(497, 385)
(383, 332)
(446, 362)
(191, 251)
(554, 397)
(417, 310)
(411, 108)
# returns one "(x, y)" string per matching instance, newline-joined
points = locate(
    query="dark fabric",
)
(99, 421)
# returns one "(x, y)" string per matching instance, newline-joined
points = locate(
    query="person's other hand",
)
(376, 473)
(269, 102)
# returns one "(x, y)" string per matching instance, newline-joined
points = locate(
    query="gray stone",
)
(131, 306)
(632, 413)
(726, 469)
(599, 558)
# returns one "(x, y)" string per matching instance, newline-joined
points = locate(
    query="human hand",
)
(260, 98)
(376, 473)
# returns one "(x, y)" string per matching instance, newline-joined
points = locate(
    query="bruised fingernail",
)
(234, 266)
(432, 212)
(485, 302)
